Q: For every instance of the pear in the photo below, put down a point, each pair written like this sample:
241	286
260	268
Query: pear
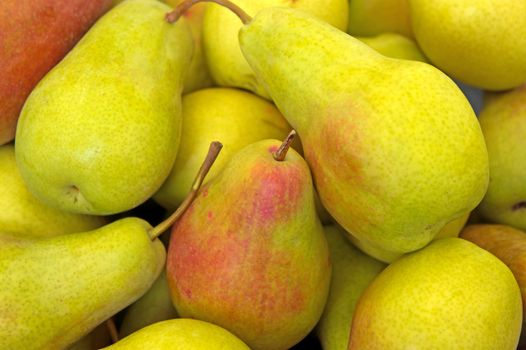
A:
373	17
481	43
181	334
235	117
152	307
385	139
56	290
352	272
23	215
220	37
503	122
426	300
395	46
250	254
100	132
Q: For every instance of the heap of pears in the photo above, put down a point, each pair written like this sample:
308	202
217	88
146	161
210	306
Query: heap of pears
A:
260	174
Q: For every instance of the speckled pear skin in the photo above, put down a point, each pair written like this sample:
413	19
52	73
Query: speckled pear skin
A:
100	132
250	254
181	334
237	118
23	215
479	42
395	149
503	122
56	290
373	17
449	295
227	65
395	46
352	272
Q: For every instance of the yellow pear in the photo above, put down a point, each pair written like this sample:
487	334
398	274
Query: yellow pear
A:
395	46
372	17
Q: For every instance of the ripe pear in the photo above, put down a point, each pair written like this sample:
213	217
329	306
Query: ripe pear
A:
388	141
373	17
23	215
235	117
449	295
395	46
220	37
56	290
181	334
250	254
479	42
503	122
352	272
100	132
152	307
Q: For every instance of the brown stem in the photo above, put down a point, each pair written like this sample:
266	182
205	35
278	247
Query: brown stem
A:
281	153
173	16
213	152
114	335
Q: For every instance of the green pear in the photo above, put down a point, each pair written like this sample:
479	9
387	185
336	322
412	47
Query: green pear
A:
503	122
395	148
395	46
100	132
479	42
220	37
449	295
250	254
56	290
235	117
181	334
23	215
152	307
352	272
373	17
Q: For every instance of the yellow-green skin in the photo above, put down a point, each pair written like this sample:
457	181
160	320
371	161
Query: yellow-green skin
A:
449	295
220	37
503	122
56	290
181	334
373	17
23	215
100	132
154	306
479	42
395	46
234	117
395	149
352	272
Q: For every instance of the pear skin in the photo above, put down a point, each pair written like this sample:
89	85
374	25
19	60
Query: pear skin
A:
99	134
352	272
373	17
181	334
383	148
395	46
56	290
23	215
448	295
250	254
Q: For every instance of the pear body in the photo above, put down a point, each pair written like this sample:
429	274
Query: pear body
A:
480	42
56	290
250	253
220	37
23	215
503	122
100	132
425	300
352	272
395	46
237	118
373	17
383	137
180	334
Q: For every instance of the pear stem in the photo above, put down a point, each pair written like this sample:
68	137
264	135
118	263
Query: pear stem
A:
213	152
114	335
173	16
281	153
